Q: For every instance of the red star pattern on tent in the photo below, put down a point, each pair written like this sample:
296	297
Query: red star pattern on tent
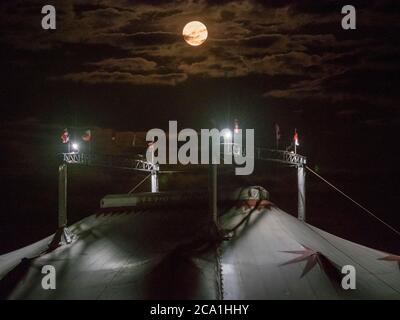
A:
308	254
313	258
391	257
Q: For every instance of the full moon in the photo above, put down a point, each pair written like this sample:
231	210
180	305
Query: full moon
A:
195	33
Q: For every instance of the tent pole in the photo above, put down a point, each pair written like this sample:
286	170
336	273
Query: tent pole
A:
301	191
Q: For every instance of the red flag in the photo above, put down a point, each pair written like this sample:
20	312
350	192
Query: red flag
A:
296	138
87	136
65	136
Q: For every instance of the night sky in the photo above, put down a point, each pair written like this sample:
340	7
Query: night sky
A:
124	65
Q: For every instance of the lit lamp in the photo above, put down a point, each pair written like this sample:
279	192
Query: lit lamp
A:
236	130
236	147
75	147
227	134
227	137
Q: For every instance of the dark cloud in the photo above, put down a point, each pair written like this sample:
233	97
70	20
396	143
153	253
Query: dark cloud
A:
117	77
126	64
261	41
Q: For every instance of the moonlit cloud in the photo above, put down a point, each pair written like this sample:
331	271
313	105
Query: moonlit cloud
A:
116	77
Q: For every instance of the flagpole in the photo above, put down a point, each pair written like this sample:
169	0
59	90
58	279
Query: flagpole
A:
277	135
277	141
91	143
295	142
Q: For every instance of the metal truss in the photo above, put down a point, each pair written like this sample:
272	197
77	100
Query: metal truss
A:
109	161
284	157
280	156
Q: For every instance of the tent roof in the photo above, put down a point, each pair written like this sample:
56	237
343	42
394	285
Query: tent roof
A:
168	253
